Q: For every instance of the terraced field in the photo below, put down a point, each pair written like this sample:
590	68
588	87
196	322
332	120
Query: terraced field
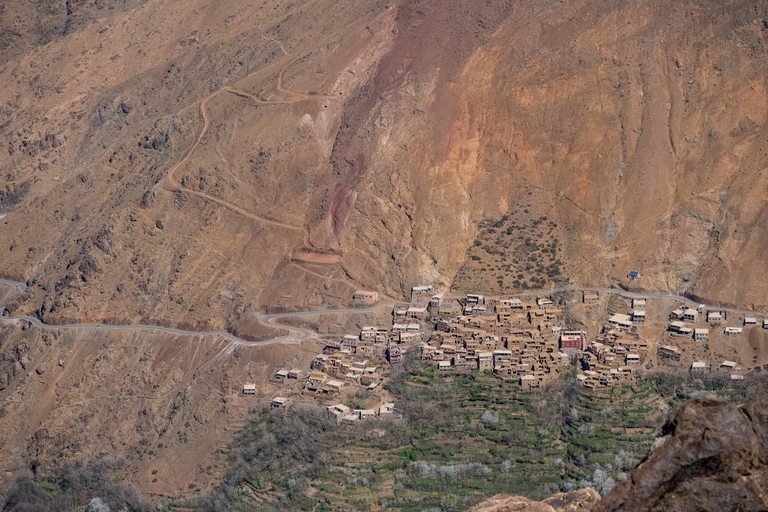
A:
482	439
456	441
608	432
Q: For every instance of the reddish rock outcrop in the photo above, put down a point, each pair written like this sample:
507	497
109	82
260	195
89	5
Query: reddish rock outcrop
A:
713	456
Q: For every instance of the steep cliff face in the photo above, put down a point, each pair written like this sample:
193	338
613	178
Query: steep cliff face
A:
639	129
188	162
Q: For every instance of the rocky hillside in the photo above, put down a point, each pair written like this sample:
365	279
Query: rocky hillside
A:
165	407
187	162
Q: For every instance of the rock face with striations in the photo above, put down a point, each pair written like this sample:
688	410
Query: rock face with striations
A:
713	456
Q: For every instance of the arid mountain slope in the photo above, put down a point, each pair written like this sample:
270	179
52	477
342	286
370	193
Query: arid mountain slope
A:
165	404
640	129
190	163
185	162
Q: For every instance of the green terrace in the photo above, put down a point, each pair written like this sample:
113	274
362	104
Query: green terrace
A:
454	442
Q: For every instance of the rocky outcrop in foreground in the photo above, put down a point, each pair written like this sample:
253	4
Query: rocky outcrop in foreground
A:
713	455
576	501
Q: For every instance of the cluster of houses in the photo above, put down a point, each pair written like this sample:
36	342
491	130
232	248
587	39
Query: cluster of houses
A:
519	339
343	415
356	360
682	316
515	339
332	372
734	371
617	351
612	359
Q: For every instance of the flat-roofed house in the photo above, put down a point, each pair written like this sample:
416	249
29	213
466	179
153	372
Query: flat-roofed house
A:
691	315
527	382
485	361
369	297
365	348
281	375
638	316
750	320
676	326
279	402
620	320
416	313
475	299
699	367
399	311
571	340
677	314
670	351
399	327
333	386
591	297
412	327
544	302
421	293
501	356
315	380
364	414
714	317
638	303
349	342
701	334
394	354
368	333
338	411
350	420
733	331
249	389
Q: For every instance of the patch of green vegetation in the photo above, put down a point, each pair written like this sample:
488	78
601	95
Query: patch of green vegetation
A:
74	487
519	246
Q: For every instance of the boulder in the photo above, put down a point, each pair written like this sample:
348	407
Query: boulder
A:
713	455
576	501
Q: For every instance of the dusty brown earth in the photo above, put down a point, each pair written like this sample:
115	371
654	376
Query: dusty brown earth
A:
166	404
191	163
277	155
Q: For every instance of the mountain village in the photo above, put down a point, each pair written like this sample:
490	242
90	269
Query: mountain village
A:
603	338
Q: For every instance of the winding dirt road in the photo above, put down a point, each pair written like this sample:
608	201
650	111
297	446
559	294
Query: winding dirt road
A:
300	333
268	320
